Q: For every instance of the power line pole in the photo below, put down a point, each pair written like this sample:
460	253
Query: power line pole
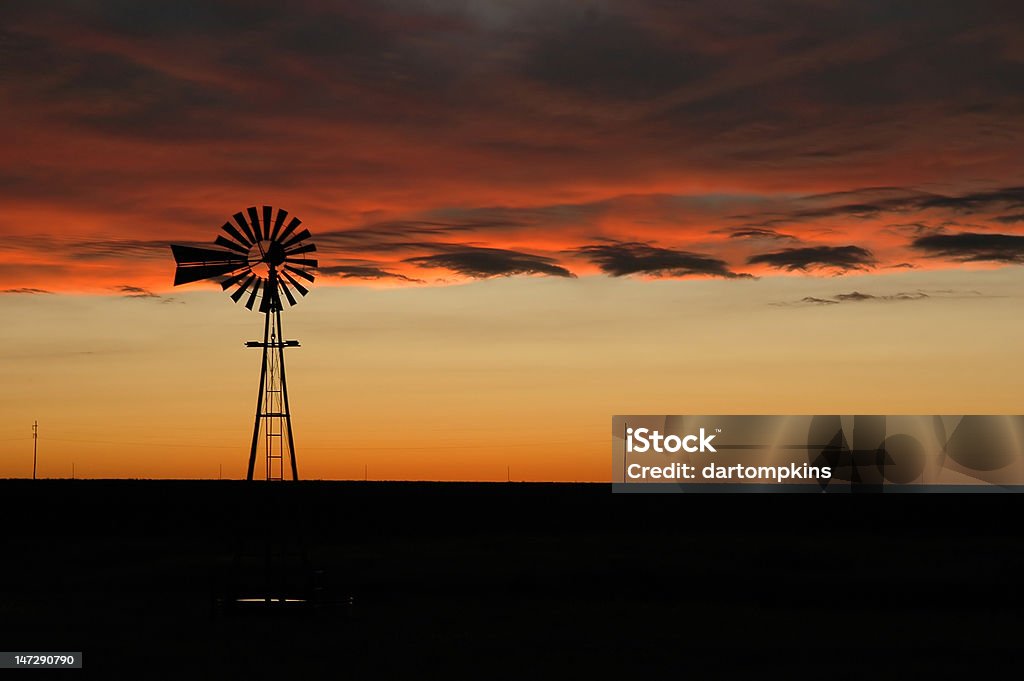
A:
35	447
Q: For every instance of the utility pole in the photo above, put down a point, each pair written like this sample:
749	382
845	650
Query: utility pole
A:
35	447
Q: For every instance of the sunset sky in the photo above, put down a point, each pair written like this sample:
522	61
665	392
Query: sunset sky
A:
530	216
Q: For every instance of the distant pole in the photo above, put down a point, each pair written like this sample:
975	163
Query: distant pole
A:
366	474
508	473
72	470
35	447
220	471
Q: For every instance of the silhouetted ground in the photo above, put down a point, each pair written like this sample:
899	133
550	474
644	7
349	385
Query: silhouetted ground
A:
509	580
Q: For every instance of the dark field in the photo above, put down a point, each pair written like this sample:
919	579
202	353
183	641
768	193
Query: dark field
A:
506	580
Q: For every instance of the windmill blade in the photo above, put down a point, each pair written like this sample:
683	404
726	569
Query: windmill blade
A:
237	295
298	287
305	262
254	220
192	255
190	273
235	234
287	291
252	296
302	273
281	215
228	243
268	212
231	281
304	234
240	219
292	226
308	248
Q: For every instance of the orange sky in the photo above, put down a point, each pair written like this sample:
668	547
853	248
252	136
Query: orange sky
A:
488	185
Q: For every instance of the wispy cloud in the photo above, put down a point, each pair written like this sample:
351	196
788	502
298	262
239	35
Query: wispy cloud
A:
136	292
364	272
861	297
481	263
28	291
140	293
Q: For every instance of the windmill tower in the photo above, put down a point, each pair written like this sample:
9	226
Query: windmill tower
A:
261	258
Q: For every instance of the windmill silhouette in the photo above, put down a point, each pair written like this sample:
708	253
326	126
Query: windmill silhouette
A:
261	259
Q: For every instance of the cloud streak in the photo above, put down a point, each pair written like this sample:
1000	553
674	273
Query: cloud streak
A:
483	263
857	297
27	291
140	293
841	258
973	247
364	272
620	259
136	292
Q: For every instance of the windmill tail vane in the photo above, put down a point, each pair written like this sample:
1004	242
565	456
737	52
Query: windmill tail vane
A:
262	256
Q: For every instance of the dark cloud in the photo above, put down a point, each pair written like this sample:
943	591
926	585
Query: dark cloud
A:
858	297
855	296
26	290
864	210
875	202
759	233
811	300
970	203
482	263
913	228
114	249
973	247
140	293
731	64
136	292
146	20
471	124
610	54
238	73
78	85
364	272
622	258
842	258
878	201
396	235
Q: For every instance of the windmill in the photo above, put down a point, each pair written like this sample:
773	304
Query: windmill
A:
261	258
